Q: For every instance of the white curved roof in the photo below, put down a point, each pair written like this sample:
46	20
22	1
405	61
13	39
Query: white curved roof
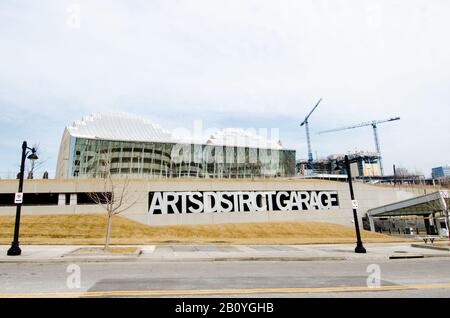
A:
118	126
126	127
242	138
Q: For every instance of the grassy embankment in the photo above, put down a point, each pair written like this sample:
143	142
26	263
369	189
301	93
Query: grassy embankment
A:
90	229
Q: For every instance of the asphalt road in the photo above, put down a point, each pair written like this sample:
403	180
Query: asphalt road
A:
398	278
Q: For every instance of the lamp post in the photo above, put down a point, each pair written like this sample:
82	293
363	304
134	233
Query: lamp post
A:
359	245
15	250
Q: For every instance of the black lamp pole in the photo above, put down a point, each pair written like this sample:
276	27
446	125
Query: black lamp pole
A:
359	245
15	250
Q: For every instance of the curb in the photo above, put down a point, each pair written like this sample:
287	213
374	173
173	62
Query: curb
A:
405	256
435	255
68	260
247	259
204	259
173	259
431	247
141	259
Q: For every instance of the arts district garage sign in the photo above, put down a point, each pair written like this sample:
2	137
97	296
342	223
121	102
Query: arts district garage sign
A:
172	202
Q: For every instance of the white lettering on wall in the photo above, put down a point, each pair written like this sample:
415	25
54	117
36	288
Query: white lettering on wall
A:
170	202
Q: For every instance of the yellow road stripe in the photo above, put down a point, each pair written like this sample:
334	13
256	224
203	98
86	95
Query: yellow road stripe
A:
221	291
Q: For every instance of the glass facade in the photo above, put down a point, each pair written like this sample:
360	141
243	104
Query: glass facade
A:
90	158
440	172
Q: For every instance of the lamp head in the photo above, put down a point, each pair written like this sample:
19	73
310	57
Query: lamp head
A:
33	155
338	166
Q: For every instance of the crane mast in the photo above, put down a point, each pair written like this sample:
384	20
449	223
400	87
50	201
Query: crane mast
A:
308	137
377	146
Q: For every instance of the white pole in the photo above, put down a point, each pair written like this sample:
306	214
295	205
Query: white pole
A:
444	196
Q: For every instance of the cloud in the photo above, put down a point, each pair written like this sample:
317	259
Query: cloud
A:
252	63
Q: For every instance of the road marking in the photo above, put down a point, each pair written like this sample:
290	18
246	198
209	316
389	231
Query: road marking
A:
222	291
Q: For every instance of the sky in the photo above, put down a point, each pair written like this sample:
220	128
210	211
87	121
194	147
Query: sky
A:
231	63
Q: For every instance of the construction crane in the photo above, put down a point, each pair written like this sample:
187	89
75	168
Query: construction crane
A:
374	124
308	139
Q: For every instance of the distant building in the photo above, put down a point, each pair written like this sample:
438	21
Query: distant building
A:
362	164
402	172
440	172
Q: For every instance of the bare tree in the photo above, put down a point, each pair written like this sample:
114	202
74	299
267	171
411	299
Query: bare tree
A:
115	197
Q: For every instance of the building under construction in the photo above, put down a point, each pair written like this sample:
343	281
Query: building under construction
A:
362	164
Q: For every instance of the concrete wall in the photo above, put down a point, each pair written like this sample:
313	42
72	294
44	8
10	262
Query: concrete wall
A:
368	196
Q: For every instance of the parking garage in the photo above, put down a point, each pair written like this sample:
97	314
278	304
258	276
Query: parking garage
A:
426	214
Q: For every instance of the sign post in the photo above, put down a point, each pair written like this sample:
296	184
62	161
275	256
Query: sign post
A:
359	245
15	250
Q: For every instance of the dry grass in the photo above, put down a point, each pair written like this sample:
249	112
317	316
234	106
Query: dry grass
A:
90	229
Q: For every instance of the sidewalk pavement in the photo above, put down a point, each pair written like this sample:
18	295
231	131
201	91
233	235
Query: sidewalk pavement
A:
219	252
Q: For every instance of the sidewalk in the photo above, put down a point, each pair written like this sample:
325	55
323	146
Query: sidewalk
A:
185	253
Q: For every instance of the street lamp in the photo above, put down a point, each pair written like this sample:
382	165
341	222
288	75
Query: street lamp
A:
359	244
15	250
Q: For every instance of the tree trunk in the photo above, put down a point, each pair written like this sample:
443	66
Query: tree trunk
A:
108	231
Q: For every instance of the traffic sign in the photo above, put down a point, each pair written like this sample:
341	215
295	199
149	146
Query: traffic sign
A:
18	198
